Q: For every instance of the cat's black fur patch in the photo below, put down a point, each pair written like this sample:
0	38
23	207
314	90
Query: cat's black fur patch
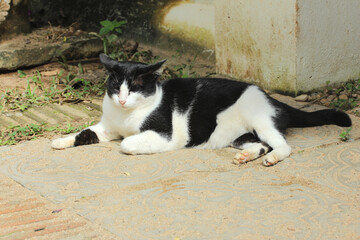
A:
86	137
246	138
215	96
289	117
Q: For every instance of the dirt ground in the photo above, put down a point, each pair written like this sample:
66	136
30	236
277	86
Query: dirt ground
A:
93	69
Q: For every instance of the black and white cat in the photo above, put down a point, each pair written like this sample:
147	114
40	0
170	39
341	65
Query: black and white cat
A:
207	113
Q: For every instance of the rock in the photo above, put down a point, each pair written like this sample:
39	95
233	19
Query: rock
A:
343	97
15	53
13	18
347	93
331	98
302	98
325	102
356	110
4	10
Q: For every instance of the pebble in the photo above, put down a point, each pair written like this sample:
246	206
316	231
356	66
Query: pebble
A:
325	101
302	98
343	97
331	98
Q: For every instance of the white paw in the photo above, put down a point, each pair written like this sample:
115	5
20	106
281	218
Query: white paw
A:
243	157
128	146
62	143
270	160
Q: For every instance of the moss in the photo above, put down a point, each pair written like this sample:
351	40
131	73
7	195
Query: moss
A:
192	34
284	83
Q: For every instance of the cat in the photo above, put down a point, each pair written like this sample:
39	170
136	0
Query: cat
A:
153	116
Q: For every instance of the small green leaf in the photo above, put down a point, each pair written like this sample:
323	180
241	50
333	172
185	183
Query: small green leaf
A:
81	69
119	23
21	74
104	31
106	23
112	38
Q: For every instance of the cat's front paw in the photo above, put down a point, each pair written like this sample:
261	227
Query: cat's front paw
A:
62	143
128	146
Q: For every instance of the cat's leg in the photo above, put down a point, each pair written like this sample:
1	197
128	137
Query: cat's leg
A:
251	148
94	134
277	142
147	142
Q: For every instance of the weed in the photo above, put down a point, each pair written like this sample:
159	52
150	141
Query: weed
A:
62	88
21	74
344	104
16	134
350	91
345	135
72	129
184	70
109	33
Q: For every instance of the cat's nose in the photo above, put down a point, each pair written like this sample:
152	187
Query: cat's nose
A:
122	102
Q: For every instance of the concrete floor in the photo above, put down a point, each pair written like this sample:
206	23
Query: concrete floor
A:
185	194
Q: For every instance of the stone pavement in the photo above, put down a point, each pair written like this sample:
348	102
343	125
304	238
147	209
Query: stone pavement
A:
24	215
185	194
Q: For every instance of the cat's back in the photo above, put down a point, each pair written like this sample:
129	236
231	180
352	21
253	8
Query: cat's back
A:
215	92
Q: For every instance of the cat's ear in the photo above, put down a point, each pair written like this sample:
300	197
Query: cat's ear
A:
107	61
153	68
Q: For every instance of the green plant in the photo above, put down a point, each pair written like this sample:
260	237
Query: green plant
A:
350	89
21	74
69	87
15	134
184	70
73	129
109	33
344	104
345	135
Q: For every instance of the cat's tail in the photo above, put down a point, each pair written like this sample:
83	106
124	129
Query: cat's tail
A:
298	118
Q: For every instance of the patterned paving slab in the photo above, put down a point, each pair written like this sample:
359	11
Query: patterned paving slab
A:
26	215
53	114
198	194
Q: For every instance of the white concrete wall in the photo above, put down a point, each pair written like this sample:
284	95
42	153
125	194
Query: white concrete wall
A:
328	42
288	45
255	41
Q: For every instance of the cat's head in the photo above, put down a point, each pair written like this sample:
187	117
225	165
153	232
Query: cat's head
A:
130	83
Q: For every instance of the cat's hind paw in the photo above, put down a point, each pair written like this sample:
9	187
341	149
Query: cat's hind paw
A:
62	143
243	157
270	160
